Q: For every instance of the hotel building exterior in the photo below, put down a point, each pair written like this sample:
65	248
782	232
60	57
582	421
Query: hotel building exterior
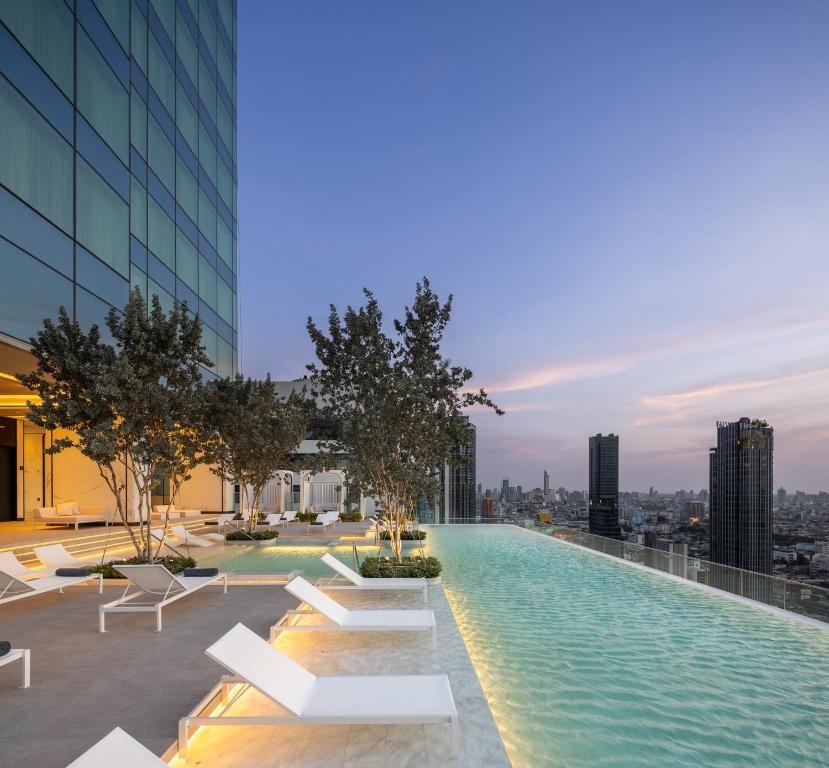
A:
117	170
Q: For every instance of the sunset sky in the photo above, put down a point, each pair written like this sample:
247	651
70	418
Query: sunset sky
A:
629	202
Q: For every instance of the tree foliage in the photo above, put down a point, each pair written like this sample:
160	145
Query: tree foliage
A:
257	431
398	400
135	407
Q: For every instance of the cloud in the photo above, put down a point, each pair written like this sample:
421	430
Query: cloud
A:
687	399
557	374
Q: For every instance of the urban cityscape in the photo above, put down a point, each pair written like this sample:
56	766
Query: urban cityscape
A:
414	385
740	519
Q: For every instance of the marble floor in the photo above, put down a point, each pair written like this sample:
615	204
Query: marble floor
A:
345	653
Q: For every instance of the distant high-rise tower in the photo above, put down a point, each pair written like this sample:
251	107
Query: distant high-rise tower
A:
741	483
604	486
458	483
546	485
781	496
505	489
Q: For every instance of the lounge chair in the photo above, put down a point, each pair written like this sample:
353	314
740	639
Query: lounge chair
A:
287	517
12	588
225	520
157	582
24	656
324	519
70	513
343	619
11	565
272	519
312	700
57	556
200	540
361	582
160	511
118	748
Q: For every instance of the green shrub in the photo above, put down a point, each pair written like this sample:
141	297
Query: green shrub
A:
170	562
306	517
351	517
410	568
417	535
251	535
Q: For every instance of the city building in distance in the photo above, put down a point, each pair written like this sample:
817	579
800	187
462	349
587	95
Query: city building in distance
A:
604	486
741	483
458	482
118	122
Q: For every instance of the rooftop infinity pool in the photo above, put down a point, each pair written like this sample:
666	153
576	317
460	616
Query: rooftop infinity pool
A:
587	661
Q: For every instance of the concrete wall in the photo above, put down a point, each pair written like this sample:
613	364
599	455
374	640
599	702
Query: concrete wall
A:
204	491
76	478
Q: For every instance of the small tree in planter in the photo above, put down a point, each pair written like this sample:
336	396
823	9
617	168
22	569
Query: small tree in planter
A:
135	406
256	432
398	401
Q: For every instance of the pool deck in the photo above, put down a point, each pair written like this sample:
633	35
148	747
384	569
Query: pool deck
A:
85	683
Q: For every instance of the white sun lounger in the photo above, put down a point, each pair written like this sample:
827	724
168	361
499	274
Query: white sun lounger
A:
361	582
24	656
200	540
272	519
120	749
11	565
343	619
157	583
13	588
288	517
57	556
311	700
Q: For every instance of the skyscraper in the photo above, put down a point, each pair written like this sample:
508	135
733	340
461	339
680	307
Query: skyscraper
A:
741	471
604	486
546	486
505	489
781	496
117	170
458	482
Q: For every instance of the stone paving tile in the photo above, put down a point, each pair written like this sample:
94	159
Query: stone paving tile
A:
85	683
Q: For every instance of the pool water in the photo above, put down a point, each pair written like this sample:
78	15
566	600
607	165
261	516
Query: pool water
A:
587	661
286	556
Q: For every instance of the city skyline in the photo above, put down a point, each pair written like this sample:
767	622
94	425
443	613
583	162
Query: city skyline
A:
676	171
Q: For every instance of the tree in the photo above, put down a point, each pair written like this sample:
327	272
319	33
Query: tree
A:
398	401
256	432
135	406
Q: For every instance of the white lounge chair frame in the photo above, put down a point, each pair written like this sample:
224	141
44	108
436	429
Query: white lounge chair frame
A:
257	665
118	748
23	655
361	582
344	620
167	586
288	517
13	567
57	556
323	519
199	540
12	588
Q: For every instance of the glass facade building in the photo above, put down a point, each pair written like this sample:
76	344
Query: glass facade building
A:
118	162
604	486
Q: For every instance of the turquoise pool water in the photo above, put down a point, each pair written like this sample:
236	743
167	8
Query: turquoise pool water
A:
283	557
587	661
590	662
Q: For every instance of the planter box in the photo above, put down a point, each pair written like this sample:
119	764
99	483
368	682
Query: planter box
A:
249	542
433	582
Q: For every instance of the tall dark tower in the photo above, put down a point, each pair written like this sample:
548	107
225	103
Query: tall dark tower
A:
604	486
458	482
741	480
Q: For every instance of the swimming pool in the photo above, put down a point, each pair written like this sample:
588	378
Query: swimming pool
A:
589	662
284	557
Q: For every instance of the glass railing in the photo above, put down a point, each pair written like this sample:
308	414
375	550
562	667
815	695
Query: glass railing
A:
794	596
804	599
